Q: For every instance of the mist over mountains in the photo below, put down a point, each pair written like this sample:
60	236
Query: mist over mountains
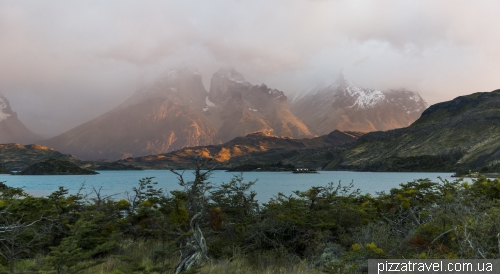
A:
176	111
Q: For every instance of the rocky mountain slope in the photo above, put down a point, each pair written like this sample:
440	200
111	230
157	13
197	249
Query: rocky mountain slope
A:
344	106
460	134
151	126
177	112
12	130
157	119
256	148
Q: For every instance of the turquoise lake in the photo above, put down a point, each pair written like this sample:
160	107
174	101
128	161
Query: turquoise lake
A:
268	183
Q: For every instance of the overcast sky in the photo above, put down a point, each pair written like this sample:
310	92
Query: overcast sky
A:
63	63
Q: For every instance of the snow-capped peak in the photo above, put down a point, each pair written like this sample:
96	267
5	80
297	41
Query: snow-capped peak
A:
365	98
3	105
416	97
343	93
361	98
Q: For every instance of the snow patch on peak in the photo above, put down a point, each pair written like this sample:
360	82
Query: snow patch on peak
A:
363	98
416	97
238	78
3	105
208	102
366	98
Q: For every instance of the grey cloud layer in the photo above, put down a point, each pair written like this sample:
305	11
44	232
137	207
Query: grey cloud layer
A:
64	62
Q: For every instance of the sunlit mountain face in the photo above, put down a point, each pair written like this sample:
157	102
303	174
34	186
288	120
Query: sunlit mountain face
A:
345	106
176	112
238	108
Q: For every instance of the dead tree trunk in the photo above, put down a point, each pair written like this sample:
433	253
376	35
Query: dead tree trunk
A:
193	245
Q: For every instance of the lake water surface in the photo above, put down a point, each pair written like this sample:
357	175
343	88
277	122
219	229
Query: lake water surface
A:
268	183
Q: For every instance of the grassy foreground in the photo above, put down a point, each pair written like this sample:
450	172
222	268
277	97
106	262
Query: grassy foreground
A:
141	252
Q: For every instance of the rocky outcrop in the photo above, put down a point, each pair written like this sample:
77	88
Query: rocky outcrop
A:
18	157
344	106
12	130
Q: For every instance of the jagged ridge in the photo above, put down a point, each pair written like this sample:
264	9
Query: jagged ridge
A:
344	106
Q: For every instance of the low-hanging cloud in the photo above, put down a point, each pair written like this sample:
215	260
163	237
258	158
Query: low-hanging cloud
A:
65	62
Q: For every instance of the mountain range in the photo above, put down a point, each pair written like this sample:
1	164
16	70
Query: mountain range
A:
458	135
176	111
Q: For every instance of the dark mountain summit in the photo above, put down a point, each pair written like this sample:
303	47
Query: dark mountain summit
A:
12	130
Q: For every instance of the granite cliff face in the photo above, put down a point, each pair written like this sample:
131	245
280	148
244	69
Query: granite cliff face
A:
238	108
344	106
12	130
460	134
177	112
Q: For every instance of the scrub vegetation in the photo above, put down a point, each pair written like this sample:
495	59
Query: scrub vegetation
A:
224	229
